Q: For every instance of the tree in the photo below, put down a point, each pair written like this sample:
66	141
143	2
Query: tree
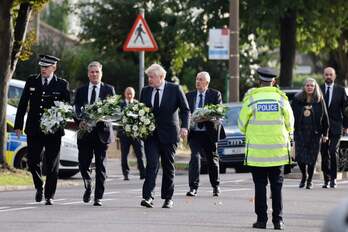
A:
14	18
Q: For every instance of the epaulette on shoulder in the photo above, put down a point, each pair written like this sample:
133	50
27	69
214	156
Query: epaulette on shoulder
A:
248	93
282	93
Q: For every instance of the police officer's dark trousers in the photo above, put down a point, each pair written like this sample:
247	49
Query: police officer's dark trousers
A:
261	176
51	143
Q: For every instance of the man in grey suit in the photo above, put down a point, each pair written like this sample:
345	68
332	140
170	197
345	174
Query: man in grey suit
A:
336	101
203	136
165	99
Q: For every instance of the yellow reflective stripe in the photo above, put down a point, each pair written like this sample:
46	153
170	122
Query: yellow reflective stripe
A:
267	146
268	159
266	123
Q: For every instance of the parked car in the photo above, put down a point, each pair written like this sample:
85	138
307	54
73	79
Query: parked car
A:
231	150
16	154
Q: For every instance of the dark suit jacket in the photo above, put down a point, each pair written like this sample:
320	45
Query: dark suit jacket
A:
167	120
39	100
336	109
104	130
212	96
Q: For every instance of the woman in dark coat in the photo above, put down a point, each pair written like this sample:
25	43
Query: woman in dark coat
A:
311	125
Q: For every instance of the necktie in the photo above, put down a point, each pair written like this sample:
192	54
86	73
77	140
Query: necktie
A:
93	95
200	105
45	83
327	96
156	102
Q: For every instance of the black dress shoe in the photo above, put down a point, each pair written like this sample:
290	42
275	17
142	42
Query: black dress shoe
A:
309	185
192	193
147	203
87	196
302	183
49	201
278	225
216	191
125	177
325	185
97	202
333	183
260	225
168	203
38	196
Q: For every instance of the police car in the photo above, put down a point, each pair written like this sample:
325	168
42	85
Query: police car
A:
16	154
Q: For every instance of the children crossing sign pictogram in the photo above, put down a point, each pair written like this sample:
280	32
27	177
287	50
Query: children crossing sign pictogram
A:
140	38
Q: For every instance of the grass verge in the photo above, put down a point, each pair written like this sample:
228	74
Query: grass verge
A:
15	177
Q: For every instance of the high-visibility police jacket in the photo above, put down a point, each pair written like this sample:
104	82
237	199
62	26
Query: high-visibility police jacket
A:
267	121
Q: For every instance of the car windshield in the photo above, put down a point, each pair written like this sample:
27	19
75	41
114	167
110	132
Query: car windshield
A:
232	115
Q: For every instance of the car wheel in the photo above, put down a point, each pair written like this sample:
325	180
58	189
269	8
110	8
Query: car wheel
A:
65	174
21	160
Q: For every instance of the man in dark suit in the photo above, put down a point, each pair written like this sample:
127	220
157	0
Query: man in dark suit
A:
127	141
165	99
203	136
96	142
336	101
40	92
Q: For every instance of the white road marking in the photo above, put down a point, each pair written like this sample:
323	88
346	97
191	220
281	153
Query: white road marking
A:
72	203
17	209
6	207
108	193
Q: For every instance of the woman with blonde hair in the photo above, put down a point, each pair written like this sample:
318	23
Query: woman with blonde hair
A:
311	125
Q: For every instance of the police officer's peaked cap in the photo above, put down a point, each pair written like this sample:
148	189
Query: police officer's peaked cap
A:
266	74
47	60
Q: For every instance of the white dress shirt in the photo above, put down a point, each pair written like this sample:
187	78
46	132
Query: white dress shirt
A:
97	90
196	106
198	98
161	89
48	79
330	93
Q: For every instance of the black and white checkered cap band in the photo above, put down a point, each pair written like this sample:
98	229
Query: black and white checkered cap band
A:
266	78
46	62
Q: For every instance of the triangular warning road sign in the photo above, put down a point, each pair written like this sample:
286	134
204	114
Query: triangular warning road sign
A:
140	37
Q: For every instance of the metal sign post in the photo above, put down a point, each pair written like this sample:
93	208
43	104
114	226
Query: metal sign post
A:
140	39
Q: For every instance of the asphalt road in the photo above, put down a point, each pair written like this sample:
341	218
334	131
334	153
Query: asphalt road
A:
304	210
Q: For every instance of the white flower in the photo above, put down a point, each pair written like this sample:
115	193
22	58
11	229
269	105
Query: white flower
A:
141	113
127	128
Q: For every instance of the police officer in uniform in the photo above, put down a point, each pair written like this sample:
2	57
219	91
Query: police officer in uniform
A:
39	93
267	121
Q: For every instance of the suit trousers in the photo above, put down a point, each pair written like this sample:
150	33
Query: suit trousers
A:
138	147
154	150
51	143
261	175
88	146
201	145
329	154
